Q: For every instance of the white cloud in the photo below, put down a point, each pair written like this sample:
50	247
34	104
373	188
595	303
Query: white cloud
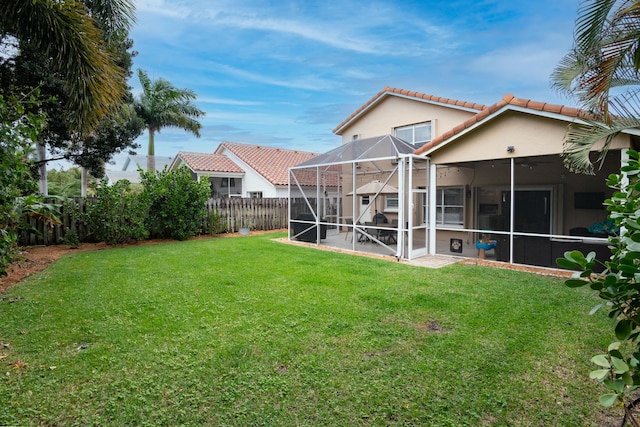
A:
309	82
161	7
222	101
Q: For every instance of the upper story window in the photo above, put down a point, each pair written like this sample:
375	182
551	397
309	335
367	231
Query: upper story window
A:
418	134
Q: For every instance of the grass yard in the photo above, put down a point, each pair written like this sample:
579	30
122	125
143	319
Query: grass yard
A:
248	331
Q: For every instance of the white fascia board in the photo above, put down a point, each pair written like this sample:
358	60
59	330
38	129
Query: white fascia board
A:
221	174
509	107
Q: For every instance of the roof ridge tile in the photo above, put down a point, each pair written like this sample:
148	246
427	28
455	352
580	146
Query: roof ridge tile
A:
507	99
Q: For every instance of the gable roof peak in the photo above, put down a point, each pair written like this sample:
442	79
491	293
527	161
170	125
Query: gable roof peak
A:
271	162
508	102
418	96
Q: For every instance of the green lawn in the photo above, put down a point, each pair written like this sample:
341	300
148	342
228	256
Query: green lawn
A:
249	331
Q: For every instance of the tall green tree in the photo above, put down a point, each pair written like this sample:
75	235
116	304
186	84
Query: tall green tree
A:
67	33
601	72
162	105
76	53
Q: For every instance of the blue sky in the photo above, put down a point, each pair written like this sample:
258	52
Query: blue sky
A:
285	73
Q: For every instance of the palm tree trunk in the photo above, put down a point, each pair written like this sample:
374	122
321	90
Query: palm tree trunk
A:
42	169
151	153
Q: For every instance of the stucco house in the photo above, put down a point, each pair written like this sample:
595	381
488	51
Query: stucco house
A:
224	176
244	170
476	174
129	170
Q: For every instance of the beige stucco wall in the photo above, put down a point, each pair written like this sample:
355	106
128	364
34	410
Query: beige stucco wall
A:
394	111
529	134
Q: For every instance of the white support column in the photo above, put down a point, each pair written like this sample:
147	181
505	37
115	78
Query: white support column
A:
624	161
432	209
512	204
289	204
402	205
318	195
354	237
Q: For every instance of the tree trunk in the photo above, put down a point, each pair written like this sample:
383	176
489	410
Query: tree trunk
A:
151	154
42	169
84	182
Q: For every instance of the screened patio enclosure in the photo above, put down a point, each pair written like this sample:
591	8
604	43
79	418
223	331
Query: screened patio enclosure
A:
368	195
532	209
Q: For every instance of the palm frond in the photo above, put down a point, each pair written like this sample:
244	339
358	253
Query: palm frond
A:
65	32
582	137
115	16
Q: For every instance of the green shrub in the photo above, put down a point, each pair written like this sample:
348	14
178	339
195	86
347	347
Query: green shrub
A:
177	203
19	130
118	214
215	224
618	286
71	238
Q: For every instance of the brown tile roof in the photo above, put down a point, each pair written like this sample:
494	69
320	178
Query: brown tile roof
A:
507	100
200	162
420	96
272	163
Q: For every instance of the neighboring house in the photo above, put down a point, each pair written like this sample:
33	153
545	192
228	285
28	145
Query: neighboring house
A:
224	176
245	170
477	171
265	167
130	168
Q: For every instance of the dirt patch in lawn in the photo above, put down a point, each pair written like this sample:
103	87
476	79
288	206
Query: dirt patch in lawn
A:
37	258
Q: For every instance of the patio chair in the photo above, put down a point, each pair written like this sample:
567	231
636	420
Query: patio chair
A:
389	234
351	229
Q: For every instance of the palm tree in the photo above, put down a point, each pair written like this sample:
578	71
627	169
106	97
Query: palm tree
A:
601	71
162	105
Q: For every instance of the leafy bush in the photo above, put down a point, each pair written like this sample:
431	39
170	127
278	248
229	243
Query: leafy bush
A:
118	215
215	224
71	238
18	132
177	203
618	286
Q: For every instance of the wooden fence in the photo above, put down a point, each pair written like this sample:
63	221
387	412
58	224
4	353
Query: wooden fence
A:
224	215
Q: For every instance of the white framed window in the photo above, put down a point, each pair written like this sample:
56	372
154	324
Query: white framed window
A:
450	206
255	194
418	134
227	182
391	203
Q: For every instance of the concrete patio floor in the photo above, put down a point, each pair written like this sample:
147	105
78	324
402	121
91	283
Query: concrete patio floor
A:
340	242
